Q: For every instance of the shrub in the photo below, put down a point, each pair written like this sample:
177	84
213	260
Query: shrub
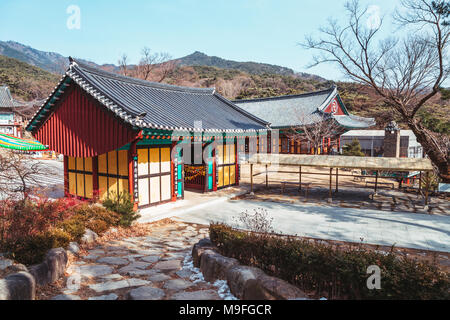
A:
24	218
353	149
31	227
122	204
331	271
32	249
75	227
259	221
93	217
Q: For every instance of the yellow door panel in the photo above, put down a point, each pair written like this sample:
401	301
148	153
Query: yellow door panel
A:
89	186
226	158
79	164
112	162
72	183
165	188
220	154
142	162
155	185
226	176
220	173
80	185
102	168
232	175
112	187
123	185
165	160
123	162
154	160
88	164
72	163
103	187
232	153
143	192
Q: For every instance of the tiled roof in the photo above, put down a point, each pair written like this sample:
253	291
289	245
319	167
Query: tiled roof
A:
302	109
147	104
354	122
6	100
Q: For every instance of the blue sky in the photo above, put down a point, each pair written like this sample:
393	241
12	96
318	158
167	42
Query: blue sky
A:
247	30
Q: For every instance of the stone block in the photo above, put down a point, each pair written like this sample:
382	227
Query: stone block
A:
215	266
18	286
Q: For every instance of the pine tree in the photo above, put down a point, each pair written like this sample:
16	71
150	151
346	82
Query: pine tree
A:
353	149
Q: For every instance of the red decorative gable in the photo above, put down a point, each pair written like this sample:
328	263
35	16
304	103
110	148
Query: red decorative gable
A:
334	107
80	127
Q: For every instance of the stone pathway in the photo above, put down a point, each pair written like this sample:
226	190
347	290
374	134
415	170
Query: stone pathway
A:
155	267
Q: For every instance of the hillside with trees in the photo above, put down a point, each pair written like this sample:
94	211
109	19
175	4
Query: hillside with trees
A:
25	81
28	83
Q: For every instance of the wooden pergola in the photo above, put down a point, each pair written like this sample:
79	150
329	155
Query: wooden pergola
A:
342	162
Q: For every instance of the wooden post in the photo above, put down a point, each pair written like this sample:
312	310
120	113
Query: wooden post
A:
420	183
132	152
251	178
427	186
267	178
331	184
95	190
236	171
66	176
337	179
300	178
376	181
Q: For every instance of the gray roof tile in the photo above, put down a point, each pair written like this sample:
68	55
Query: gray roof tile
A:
302	109
163	106
6	100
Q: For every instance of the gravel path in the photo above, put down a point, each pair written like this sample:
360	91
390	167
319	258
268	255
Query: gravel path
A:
154	267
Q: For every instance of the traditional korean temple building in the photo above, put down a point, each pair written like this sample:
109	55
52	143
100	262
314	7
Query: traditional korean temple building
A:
153	140
10	118
295	111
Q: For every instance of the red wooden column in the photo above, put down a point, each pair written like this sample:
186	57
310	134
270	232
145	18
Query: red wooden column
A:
95	190
172	171
131	154
214	165
236	149
66	176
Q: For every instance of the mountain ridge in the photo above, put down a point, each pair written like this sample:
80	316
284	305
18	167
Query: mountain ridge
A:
57	63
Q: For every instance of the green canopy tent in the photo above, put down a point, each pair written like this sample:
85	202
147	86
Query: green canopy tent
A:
14	143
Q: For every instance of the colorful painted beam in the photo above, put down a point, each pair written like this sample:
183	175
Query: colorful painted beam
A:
14	143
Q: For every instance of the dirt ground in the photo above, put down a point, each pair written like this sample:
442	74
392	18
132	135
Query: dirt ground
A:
352	191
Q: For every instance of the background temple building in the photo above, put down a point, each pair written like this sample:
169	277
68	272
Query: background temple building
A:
123	134
10	119
296	111
385	143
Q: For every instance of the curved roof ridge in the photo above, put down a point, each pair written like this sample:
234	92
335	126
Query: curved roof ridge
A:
242	111
91	69
289	96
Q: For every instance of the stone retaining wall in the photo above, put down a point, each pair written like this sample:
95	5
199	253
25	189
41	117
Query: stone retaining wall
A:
246	283
22	285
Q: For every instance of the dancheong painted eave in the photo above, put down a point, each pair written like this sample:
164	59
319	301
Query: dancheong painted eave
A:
144	104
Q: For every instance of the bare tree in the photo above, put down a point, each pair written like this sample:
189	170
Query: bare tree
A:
313	129
20	175
405	73
154	66
123	64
